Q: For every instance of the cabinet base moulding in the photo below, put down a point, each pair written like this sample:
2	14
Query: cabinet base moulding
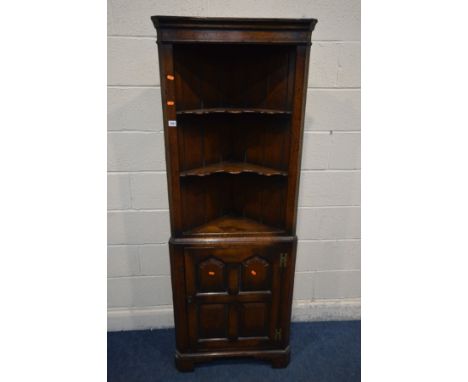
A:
185	362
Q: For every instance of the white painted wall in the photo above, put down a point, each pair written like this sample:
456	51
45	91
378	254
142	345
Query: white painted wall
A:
327	284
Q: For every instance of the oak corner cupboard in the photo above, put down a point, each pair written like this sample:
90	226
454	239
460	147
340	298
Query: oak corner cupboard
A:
233	95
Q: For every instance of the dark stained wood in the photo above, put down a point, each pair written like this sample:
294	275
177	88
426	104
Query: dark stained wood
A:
231	240
279	358
232	168
233	96
240	317
239	138
233	23
232	110
238	78
233	225
246	196
170	136
225	36
177	263
287	287
300	91
243	297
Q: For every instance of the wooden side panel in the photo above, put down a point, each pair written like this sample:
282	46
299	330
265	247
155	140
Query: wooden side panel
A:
297	126
170	136
287	287
177	262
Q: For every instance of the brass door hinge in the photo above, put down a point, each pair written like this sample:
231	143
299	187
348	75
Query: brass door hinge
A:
283	260
277	334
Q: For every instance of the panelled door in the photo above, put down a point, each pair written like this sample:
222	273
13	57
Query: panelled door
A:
233	296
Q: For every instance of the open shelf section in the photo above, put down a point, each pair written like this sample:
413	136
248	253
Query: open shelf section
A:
233	168
233	110
233	225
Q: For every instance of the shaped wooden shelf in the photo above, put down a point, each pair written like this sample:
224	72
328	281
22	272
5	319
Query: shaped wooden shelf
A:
233	168
233	225
224	110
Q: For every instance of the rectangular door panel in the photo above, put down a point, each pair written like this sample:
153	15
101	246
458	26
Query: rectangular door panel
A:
253	320
212	320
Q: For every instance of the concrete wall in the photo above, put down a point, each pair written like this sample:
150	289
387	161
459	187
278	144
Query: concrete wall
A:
327	284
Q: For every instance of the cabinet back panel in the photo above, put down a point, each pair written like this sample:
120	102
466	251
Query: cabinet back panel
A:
255	197
210	76
208	139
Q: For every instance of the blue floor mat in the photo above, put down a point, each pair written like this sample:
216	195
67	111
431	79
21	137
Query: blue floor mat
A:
320	351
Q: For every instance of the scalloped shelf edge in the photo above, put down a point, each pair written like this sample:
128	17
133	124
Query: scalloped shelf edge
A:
223	110
233	168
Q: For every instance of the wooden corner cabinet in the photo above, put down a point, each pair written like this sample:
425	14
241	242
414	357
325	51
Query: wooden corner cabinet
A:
233	95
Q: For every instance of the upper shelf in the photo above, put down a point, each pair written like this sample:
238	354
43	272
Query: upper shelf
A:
233	168
233	110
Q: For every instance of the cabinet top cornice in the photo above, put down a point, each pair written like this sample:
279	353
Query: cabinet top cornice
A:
232	23
233	30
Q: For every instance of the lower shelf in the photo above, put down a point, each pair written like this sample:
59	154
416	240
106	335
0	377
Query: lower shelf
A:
233	225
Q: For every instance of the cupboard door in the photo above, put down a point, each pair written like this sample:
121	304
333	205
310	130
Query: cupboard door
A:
233	296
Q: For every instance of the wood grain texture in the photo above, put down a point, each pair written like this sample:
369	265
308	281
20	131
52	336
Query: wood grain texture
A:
232	110
233	168
233	96
233	225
